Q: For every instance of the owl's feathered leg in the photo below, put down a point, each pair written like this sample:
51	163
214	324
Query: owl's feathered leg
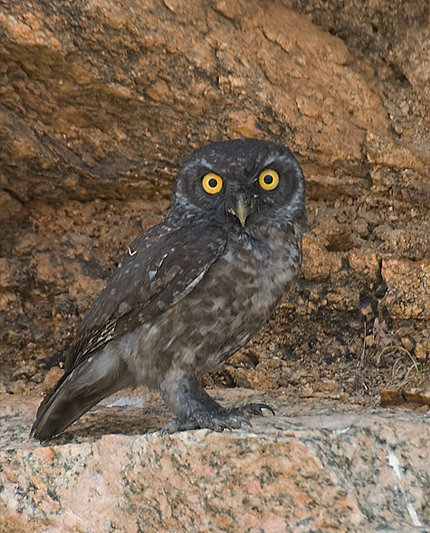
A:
78	391
196	409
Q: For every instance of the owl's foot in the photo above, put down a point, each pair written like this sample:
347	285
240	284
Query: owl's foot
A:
204	419
197	410
251	409
217	420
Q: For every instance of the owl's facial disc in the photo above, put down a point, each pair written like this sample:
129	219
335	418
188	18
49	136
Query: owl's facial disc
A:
268	180
242	183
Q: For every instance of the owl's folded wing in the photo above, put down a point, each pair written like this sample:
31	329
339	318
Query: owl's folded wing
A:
151	280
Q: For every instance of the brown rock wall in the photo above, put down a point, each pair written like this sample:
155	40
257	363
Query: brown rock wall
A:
408	283
98	106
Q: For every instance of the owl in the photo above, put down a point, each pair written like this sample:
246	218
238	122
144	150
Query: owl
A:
190	291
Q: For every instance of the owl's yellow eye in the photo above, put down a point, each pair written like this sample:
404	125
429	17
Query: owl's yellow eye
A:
268	179
212	183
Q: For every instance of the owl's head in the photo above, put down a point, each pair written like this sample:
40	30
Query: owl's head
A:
240	182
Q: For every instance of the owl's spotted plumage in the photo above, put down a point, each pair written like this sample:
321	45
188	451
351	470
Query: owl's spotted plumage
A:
192	290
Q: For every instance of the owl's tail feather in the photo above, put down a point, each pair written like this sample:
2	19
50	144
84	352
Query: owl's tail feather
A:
75	393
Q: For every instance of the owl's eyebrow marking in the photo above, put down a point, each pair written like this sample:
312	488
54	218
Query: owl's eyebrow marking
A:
130	251
266	163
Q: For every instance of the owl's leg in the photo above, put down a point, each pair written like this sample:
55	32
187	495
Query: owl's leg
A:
194	407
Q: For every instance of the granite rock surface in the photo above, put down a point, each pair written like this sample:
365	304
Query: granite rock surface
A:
311	468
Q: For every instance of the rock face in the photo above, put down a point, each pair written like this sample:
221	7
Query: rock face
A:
310	468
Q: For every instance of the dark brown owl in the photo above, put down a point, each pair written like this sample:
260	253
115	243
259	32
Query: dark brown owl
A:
191	290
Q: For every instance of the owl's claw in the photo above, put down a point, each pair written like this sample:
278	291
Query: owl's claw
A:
217	421
251	409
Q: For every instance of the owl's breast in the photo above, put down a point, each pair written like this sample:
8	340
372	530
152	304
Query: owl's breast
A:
258	270
236	297
224	310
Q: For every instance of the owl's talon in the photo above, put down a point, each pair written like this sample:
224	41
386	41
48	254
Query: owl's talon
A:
225	419
255	409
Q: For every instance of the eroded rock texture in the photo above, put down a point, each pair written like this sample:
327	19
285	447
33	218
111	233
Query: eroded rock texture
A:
100	102
320	468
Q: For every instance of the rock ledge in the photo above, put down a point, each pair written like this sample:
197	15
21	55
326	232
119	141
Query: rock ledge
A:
311	468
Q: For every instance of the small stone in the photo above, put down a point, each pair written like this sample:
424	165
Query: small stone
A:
409	243
361	227
229	9
9	207
407	343
318	263
408	283
422	351
326	385
365	262
390	397
244	124
370	340
45	268
416	395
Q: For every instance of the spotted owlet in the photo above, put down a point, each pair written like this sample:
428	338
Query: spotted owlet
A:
192	290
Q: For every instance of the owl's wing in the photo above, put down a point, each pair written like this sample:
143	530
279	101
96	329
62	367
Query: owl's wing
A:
145	240
156	277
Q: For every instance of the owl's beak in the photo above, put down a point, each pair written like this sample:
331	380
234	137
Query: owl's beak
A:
240	211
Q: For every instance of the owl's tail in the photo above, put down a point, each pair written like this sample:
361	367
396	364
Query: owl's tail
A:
76	392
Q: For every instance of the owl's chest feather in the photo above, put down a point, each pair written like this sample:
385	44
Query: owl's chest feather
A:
260	269
227	306
237	296
247	281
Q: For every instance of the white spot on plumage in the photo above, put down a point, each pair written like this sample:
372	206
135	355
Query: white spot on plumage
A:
123	307
229	257
161	261
194	282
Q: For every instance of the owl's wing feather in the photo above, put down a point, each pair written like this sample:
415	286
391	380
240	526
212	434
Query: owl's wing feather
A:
156	277
145	240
